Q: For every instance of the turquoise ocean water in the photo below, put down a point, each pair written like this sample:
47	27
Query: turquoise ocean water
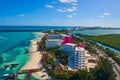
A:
13	43
12	50
15	40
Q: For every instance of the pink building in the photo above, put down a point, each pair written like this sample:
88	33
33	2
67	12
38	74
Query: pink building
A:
66	39
81	45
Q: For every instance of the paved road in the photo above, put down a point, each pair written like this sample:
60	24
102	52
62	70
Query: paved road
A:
116	67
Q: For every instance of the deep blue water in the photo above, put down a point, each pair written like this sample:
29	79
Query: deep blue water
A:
31	28
13	43
15	39
9	40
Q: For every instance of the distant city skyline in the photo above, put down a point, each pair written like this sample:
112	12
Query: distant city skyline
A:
104	13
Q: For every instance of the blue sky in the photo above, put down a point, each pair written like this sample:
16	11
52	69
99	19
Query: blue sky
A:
60	12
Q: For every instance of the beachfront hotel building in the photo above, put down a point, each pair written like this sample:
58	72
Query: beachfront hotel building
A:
84	60
79	58
57	40
68	47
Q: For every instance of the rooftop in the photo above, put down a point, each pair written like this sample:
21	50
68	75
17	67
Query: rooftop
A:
71	44
79	49
53	39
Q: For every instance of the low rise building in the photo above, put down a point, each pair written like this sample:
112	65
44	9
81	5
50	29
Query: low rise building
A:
53	43
57	40
59	67
68	47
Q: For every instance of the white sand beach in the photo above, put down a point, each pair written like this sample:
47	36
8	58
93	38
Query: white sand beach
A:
34	61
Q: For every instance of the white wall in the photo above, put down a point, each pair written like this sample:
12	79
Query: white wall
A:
50	44
67	48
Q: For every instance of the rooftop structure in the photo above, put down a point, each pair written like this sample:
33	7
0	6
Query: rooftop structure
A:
81	45
59	67
68	47
57	40
53	43
91	61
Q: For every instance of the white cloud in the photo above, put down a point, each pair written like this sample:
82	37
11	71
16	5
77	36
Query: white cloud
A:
21	15
67	10
61	10
74	4
75	14
67	1
106	14
49	6
69	16
72	9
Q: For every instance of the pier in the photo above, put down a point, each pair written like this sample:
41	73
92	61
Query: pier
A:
27	73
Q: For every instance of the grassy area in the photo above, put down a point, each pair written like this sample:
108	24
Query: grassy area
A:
102	72
112	40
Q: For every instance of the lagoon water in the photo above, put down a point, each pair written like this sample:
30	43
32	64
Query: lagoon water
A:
99	31
14	44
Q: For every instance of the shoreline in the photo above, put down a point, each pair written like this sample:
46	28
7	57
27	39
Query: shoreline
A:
34	60
111	48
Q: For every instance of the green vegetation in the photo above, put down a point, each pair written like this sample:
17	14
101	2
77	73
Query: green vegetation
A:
62	56
61	75
114	56
103	71
88	46
42	44
112	40
81	75
49	60
77	40
56	31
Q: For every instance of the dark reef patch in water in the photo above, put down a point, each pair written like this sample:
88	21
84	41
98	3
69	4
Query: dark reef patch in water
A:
12	56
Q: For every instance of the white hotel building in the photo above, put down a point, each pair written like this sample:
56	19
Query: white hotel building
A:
53	41
79	58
